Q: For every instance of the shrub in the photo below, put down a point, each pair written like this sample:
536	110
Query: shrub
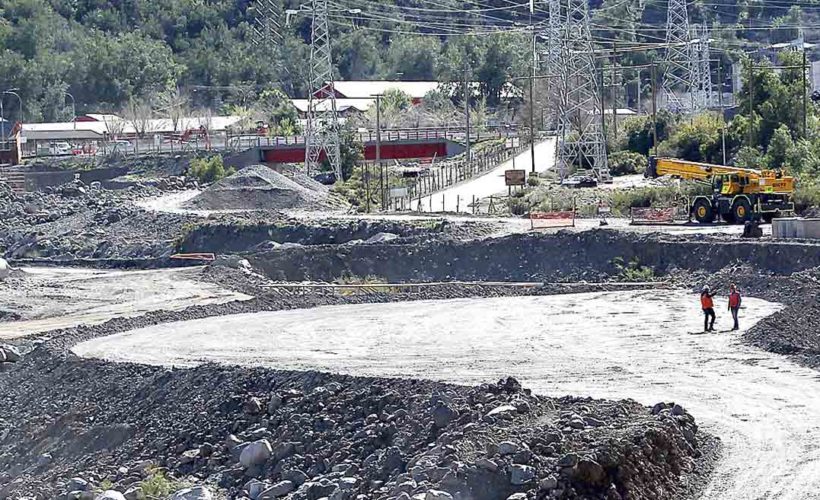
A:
633	271
518	206
208	170
533	181
806	196
158	485
627	163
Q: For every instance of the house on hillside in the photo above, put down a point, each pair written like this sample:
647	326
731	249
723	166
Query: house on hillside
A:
362	89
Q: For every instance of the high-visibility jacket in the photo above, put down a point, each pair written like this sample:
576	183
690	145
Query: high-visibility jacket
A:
706	301
734	300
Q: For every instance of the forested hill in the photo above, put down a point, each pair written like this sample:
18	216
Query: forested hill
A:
108	52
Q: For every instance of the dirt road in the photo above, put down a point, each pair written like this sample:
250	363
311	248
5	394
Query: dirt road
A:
52	298
641	345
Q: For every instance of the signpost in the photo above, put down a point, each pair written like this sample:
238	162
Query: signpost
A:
515	178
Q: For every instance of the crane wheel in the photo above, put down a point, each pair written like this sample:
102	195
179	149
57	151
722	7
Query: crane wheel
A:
704	213
742	210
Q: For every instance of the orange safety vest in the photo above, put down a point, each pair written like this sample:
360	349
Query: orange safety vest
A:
734	299
706	301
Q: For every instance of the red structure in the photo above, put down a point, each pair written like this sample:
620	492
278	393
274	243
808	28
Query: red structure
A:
404	150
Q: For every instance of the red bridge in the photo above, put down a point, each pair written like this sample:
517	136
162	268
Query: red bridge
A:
395	144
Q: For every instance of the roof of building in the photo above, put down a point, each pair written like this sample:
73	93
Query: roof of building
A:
360	88
97	129
342	104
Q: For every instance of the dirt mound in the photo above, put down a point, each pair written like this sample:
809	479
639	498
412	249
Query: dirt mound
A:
261	188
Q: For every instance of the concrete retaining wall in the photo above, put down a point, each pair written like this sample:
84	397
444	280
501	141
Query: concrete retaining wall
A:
796	228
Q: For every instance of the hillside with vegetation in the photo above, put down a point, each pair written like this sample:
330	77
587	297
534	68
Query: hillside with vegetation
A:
112	54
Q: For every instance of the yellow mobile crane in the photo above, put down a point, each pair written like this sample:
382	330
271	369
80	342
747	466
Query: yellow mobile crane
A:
738	194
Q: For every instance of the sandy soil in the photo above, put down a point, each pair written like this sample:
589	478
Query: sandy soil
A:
644	345
53	298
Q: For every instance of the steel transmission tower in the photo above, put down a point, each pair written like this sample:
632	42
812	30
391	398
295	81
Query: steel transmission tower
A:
706	96
323	120
582	139
680	61
552	62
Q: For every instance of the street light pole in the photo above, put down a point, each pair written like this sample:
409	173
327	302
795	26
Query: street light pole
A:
22	114
73	110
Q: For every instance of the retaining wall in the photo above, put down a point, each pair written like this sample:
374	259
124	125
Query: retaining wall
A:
588	255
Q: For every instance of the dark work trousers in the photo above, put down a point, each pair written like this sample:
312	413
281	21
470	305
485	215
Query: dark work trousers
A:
707	325
734	316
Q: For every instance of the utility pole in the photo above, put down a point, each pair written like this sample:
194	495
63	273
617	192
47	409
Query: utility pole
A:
532	101
805	96
751	101
467	117
379	146
614	91
639	92
722	111
655	109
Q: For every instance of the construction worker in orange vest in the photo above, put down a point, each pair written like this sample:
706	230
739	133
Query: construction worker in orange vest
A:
734	303
708	306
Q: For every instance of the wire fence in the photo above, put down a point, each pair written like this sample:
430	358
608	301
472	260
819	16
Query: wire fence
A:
449	173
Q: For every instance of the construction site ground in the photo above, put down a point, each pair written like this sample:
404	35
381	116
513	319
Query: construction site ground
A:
307	332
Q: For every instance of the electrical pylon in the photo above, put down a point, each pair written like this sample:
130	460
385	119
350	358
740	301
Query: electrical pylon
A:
582	140
680	61
322	120
552	62
706	96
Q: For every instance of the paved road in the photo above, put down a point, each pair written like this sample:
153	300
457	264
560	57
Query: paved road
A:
639	345
456	198
53	298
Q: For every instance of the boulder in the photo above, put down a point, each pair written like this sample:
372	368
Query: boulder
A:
278	490
437	495
508	448
195	493
255	454
521	474
75	483
110	495
5	269
443	415
10	353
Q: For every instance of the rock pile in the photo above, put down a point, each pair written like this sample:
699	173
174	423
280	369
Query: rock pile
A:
261	188
262	434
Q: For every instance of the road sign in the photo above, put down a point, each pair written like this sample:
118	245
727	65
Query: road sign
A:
515	177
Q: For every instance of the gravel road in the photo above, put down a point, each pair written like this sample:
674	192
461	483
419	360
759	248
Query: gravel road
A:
53	298
641	345
490	183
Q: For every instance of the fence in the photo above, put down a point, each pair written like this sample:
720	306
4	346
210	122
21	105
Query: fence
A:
489	205
452	172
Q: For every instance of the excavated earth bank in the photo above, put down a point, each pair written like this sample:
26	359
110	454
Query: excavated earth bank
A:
344	436
329	435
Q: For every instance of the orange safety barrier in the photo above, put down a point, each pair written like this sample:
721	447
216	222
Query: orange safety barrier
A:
547	220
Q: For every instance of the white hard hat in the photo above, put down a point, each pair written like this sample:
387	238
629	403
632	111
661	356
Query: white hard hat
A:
705	288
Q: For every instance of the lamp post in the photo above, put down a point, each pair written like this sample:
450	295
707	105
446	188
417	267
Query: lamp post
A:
15	94
73	109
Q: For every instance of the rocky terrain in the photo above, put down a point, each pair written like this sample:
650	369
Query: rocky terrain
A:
264	434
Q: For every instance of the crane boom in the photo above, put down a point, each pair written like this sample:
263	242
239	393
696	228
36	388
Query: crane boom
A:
738	194
747	180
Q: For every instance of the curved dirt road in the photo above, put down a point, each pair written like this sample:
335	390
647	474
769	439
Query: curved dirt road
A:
638	345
